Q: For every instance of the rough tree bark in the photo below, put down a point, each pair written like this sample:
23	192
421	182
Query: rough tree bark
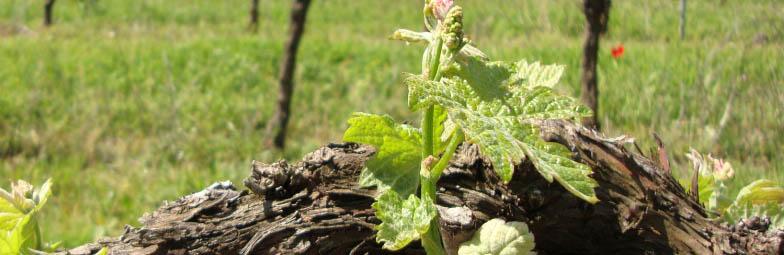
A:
315	207
253	25
596	15
48	9
299	12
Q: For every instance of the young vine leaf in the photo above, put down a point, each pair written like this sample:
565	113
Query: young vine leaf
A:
15	240
760	191
398	152
497	237
496	105
18	225
759	198
402	221
463	97
774	212
10	216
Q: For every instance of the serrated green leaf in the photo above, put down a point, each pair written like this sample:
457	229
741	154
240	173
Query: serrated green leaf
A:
553	162
402	221
500	122
497	237
489	79
398	152
494	79
530	75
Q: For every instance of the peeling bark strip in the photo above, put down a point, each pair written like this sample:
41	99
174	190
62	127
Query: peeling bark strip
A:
596	14
315	207
48	9
299	12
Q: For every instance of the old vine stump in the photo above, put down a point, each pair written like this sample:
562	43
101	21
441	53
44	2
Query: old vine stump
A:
315	207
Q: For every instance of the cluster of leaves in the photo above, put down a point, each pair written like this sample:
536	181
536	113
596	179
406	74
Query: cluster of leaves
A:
463	97
762	198
19	227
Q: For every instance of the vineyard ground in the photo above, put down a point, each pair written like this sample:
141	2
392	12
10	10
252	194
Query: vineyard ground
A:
132	102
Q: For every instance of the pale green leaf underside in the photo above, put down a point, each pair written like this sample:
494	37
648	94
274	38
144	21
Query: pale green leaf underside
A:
760	198
760	192
17	227
774	211
497	237
13	241
10	216
398	152
402	221
497	116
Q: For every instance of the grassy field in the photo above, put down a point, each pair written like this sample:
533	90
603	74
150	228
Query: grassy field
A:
130	102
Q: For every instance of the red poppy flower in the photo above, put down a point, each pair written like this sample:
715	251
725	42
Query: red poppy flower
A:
617	51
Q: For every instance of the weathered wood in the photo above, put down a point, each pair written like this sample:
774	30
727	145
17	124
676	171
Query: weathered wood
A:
299	11
597	13
315	207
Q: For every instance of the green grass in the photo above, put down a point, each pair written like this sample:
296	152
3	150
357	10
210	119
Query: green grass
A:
132	102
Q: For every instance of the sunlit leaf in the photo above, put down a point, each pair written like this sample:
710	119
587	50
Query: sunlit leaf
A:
497	237
402	221
774	212
15	241
762	198
398	152
9	215
760	192
496	112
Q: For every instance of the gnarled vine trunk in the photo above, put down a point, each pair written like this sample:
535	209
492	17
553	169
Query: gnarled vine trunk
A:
315	207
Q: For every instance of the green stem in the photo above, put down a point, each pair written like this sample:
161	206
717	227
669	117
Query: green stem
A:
457	138
427	132
431	241
427	122
38	242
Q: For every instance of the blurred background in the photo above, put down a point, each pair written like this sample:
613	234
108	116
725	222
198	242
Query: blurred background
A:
127	103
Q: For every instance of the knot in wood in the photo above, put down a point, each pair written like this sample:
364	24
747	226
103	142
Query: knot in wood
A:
271	179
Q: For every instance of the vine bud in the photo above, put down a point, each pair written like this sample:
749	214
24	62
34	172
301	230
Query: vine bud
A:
452	31
441	8
435	11
427	165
